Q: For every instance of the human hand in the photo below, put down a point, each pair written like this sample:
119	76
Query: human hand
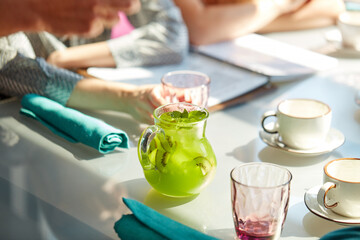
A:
84	17
55	58
138	101
141	101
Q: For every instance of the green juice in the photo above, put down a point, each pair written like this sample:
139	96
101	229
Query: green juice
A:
179	161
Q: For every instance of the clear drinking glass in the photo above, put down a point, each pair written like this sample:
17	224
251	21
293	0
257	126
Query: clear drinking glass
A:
186	86
260	198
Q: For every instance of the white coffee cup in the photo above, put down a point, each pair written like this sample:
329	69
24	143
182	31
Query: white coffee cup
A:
300	123
341	189
349	25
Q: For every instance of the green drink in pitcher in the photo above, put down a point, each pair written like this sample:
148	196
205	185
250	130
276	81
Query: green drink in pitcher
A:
176	157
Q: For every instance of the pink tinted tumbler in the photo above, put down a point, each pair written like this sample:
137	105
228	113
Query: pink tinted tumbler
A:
260	198
186	86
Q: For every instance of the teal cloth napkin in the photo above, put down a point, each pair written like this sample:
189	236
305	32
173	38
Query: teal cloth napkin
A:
146	223
350	233
73	125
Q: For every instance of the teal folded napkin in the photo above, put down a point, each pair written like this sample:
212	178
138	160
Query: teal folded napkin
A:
146	223
73	125
350	233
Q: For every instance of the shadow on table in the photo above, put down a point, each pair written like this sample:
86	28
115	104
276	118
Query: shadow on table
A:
293	219
164	205
81	194
31	218
317	226
156	200
282	158
308	225
72	200
223	233
246	152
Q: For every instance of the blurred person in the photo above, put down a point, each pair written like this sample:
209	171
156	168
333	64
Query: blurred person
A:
211	21
158	36
86	17
22	72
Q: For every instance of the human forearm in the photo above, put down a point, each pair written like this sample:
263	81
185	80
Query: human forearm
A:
214	23
91	93
311	15
88	55
286	23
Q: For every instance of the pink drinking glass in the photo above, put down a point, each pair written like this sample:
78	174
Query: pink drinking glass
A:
260	198
186	86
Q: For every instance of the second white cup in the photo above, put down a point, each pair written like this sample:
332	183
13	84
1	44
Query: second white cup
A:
341	189
349	26
300	123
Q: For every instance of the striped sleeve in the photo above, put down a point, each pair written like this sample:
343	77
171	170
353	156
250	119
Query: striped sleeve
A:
22	75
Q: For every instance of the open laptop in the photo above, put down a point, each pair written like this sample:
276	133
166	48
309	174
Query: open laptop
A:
268	56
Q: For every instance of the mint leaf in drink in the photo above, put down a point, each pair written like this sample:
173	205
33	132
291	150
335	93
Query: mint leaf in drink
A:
197	115
168	117
175	114
183	117
185	114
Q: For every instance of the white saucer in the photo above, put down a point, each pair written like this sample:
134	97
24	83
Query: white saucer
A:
312	204
335	39
334	140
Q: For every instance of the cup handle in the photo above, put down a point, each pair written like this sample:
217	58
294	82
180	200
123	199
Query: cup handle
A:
144	144
267	114
323	191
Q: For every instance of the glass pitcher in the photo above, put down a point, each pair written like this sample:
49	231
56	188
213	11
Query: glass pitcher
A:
175	155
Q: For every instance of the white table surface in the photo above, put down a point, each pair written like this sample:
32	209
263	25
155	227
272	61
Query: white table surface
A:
53	189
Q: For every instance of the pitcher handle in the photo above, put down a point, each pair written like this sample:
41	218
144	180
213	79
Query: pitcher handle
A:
144	143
